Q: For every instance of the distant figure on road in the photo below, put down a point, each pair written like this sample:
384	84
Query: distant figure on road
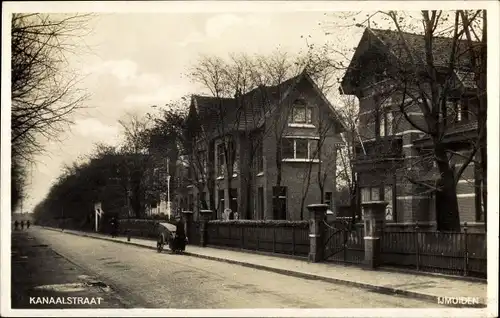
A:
28	224
22	225
114	227
16	224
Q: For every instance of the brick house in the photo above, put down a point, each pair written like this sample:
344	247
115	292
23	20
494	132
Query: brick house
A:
290	126
392	147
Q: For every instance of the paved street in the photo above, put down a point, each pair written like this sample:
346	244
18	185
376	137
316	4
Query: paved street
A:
39	274
149	279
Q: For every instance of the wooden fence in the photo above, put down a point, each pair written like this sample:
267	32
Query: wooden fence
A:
280	237
454	253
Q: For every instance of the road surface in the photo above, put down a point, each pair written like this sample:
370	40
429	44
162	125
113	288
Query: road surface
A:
149	279
43	279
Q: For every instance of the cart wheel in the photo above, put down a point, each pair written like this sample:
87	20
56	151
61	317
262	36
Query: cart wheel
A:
159	244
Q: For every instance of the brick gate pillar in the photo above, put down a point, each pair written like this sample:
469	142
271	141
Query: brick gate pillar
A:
317	214
205	216
188	218
374	219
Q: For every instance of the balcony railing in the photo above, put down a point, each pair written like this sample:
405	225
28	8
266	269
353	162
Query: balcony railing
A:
390	147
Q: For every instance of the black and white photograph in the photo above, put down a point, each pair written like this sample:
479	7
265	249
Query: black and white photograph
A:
250	158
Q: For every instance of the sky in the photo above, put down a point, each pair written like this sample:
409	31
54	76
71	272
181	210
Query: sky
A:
135	60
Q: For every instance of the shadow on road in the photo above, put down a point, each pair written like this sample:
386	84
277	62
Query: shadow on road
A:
43	279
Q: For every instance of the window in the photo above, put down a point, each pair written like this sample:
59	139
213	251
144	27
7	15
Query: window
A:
299	148
233	196
231	150
260	203
385	123
370	194
328	199
220	195
220	160
288	147
203	201
279	203
259	157
202	157
191	202
460	109
300	113
389	210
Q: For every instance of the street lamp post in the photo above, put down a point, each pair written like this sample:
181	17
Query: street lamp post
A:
168	197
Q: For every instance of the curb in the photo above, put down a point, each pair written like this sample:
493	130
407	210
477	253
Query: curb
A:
374	288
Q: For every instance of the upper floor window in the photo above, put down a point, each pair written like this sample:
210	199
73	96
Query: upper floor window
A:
299	148
300	113
230	148
220	160
232	160
259	156
459	110
202	161
386	123
328	199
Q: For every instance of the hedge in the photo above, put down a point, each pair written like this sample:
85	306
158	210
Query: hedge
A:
263	223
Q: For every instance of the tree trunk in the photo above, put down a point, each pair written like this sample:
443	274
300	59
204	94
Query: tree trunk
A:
447	212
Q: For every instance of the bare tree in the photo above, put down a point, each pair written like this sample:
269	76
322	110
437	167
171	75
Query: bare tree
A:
137	161
44	92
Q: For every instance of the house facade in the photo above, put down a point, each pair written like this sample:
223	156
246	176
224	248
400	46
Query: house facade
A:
393	151
266	154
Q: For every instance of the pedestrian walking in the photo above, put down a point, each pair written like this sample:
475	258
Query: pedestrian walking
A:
28	224
16	225
22	225
114	227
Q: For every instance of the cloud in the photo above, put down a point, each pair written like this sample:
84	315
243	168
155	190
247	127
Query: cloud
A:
217	25
92	127
162	95
127	73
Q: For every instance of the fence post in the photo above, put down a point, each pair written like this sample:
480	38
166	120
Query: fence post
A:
205	215
274	239
374	218
344	240
258	235
293	240
242	228
316	231
466	256
417	248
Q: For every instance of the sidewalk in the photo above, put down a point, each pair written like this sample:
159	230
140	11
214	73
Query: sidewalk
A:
412	285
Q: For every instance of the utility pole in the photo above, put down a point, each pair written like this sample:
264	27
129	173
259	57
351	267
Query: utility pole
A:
169	205
62	217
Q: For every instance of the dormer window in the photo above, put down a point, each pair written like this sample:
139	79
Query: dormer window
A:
300	113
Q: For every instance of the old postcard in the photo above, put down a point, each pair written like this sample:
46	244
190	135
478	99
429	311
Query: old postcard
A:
281	158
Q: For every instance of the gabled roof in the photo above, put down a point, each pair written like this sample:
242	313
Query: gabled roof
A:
248	111
391	42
